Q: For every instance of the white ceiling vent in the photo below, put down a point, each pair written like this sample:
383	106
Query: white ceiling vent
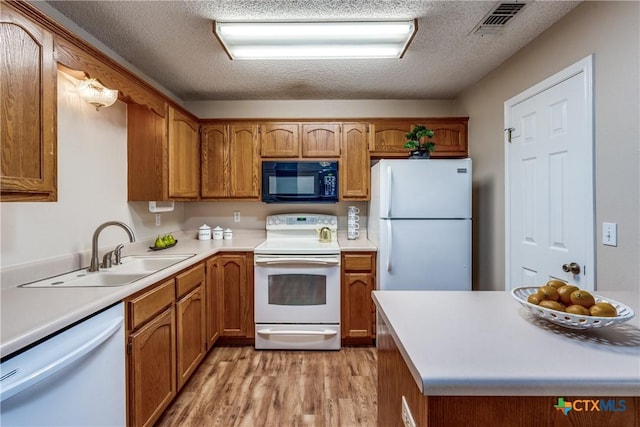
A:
494	21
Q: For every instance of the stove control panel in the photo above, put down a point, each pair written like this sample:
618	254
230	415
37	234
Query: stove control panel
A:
300	221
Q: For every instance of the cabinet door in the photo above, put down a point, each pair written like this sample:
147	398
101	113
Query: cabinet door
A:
321	140
215	161
190	333
184	155
279	140
236	295
213	296
355	168
147	154
152	369
27	110
357	310
244	160
389	138
450	136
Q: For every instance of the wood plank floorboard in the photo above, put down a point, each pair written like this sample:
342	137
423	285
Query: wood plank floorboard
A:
239	386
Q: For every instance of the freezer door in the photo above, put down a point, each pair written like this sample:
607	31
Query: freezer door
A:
425	188
424	255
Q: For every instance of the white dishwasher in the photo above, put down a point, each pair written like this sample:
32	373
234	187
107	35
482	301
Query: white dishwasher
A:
74	378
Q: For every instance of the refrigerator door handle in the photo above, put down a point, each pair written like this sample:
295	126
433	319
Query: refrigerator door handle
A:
390	245
388	185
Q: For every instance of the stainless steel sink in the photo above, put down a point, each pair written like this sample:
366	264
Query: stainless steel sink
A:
132	268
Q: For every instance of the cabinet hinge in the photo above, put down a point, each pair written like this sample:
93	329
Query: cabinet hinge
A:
129	347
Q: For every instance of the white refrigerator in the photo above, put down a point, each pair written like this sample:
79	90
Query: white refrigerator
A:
420	219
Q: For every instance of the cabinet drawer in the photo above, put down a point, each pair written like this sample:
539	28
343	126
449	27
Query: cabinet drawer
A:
144	307
358	262
189	279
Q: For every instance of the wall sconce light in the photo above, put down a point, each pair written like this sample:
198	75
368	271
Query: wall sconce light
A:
97	95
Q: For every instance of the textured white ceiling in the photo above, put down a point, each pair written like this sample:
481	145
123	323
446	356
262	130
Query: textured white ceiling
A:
173	43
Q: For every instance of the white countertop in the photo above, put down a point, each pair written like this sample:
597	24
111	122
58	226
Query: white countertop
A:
30	314
483	343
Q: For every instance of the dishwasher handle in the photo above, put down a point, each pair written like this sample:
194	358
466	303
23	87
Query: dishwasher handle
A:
51	367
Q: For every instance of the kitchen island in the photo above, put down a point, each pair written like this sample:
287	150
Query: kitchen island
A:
479	359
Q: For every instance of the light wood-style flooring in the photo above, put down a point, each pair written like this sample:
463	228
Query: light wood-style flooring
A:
239	386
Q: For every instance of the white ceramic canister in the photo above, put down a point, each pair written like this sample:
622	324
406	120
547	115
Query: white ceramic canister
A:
228	234
218	233
204	232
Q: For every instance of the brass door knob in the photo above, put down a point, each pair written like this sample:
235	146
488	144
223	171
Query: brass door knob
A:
573	268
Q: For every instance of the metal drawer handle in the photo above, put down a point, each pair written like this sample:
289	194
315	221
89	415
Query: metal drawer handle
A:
326	332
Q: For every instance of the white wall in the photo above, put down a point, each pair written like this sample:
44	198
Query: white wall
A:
92	189
610	31
316	109
254	214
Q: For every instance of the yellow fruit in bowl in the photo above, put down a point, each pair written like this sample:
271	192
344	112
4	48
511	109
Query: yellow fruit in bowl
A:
553	305
565	293
583	298
534	299
548	293
578	309
603	309
556	283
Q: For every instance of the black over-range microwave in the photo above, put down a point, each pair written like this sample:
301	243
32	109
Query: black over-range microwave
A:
300	182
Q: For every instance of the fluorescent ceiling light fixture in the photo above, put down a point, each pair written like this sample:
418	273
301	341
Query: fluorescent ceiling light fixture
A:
315	40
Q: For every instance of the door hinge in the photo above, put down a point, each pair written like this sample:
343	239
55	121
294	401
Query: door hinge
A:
510	130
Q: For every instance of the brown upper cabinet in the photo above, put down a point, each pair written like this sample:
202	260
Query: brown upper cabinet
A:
450	136
163	155
184	155
299	140
279	139
28	110
230	161
355	162
321	139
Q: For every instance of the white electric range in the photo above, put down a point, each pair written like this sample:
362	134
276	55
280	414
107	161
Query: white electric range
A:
297	283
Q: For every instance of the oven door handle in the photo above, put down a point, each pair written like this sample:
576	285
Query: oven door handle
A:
298	261
326	332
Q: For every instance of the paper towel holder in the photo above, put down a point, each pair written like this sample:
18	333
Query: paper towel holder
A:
156	207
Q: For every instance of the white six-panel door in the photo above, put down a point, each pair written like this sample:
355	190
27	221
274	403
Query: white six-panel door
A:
549	181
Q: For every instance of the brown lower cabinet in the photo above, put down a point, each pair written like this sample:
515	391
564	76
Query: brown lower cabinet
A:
230	280
151	353
165	342
357	308
191	343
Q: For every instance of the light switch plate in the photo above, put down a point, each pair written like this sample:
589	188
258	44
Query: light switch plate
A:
610	233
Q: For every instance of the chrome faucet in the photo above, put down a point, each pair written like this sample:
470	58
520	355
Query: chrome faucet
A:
95	259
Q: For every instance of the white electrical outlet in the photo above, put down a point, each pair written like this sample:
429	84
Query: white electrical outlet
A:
610	233
407	418
157	220
236	216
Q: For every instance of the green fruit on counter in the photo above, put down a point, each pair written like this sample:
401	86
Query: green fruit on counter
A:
159	243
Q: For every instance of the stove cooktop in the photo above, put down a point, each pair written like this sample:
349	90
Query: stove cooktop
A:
298	234
297	247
